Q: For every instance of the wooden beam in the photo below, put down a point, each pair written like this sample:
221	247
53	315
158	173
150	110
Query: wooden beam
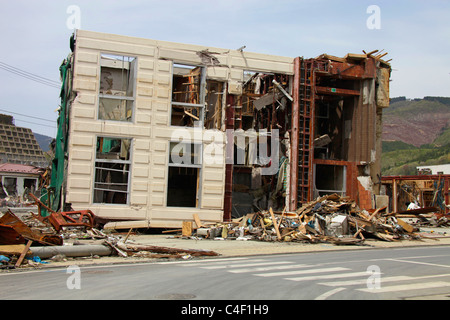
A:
197	221
24	253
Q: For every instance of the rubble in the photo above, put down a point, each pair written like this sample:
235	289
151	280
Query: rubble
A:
328	219
18	237
331	218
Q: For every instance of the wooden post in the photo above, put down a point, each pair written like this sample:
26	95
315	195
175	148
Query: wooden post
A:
274	222
394	196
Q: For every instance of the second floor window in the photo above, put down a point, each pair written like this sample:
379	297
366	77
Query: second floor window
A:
117	88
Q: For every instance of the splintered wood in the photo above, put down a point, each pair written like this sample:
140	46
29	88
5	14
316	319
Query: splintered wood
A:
330	218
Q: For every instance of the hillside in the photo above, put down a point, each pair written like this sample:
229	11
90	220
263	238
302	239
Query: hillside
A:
415	133
416	122
43	141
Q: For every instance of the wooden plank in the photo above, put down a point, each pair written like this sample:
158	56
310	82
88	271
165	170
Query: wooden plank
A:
197	221
405	225
191	115
24	253
186	228
275	224
13	249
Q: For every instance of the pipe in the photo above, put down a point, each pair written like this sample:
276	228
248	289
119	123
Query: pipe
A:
70	251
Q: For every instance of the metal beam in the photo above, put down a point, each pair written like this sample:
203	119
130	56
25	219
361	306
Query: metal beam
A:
295	122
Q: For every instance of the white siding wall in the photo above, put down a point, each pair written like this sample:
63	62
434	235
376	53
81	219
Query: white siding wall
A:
151	130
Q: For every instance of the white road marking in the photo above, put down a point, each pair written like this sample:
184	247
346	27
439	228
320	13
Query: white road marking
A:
328	294
363	281
288	273
252	264
411	286
383	279
330	276
418	262
284	267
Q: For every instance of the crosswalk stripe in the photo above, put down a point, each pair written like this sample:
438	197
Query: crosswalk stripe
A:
330	276
288	273
382	279
283	267
363	281
219	260
411	286
329	294
252	264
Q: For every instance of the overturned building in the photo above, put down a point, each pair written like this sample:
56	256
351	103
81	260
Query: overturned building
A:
152	132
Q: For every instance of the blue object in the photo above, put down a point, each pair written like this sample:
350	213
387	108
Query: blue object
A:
38	260
4	258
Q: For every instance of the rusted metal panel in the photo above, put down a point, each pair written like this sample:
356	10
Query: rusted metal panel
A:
357	70
80	218
15	231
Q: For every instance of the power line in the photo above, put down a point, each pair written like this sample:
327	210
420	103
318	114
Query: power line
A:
35	75
29	75
39	124
28	116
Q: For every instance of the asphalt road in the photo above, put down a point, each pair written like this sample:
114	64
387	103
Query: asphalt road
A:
406	273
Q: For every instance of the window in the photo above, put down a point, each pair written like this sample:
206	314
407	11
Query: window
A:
112	170
184	174
330	179
188	95
116	96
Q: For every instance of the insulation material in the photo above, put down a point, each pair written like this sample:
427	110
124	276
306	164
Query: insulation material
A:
382	96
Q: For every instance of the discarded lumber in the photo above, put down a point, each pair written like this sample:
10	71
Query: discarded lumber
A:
158	249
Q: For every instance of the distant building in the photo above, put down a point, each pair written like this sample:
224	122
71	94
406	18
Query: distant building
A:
17	181
18	145
437	169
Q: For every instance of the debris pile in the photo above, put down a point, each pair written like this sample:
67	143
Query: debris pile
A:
330	218
31	241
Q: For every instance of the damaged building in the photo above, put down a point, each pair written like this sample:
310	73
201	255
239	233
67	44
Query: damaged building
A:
152	132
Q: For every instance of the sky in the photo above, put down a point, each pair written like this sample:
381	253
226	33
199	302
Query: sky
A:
35	39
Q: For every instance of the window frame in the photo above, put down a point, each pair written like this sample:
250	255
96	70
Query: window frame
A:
127	162
132	83
202	93
198	166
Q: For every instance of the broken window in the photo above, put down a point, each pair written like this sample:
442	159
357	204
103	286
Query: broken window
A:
112	170
330	179
184	174
215	99
10	186
188	95
116	96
